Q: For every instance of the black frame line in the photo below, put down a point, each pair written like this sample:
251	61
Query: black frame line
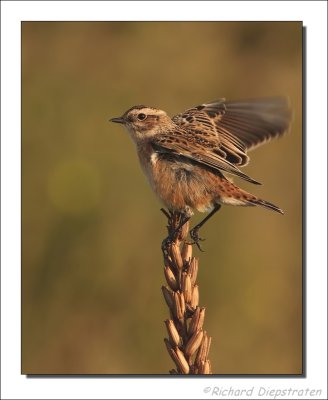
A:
304	237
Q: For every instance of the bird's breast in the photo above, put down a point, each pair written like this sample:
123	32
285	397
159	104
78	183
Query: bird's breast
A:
179	184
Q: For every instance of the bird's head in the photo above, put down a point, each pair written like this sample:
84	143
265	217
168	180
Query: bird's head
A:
144	122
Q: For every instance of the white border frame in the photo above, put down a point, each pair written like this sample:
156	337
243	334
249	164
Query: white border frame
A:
313	14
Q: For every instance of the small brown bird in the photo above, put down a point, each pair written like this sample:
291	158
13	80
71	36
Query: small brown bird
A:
185	157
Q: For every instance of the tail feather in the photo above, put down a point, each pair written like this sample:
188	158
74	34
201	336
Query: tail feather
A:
231	194
266	204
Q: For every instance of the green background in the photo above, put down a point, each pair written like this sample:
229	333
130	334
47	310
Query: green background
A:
92	229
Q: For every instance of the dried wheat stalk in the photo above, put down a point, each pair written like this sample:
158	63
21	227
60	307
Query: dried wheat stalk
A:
187	343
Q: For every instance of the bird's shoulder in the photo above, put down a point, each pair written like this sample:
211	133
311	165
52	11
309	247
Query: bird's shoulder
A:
188	137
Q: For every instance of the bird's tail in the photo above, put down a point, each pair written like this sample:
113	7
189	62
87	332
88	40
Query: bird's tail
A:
266	204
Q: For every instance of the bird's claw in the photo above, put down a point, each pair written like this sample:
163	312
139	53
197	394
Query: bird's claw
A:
195	237
166	244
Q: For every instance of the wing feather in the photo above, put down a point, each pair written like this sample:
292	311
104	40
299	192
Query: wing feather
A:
219	134
198	150
241	124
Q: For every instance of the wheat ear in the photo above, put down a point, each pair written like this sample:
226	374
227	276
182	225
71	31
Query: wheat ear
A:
187	343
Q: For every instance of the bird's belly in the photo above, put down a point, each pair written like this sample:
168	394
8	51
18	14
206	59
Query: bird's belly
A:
181	186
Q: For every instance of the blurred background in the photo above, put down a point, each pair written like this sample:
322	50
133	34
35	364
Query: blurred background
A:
92	228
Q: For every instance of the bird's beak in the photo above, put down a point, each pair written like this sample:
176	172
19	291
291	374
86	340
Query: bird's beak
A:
119	120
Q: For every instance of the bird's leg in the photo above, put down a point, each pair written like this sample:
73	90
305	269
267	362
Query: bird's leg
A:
167	240
181	220
176	221
168	214
194	231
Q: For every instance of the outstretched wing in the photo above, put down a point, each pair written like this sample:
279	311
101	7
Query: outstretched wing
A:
238	126
218	134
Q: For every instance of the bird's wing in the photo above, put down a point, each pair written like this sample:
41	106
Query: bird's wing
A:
196	148
238	126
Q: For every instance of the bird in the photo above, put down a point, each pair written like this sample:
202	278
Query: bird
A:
190	159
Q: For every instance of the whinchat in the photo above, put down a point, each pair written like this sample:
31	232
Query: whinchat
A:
185	158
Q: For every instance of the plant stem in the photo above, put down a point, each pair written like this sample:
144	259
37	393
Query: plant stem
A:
187	343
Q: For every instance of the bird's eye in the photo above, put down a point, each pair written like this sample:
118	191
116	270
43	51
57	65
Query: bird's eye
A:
141	116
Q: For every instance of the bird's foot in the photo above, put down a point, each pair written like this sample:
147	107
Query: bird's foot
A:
167	242
195	237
